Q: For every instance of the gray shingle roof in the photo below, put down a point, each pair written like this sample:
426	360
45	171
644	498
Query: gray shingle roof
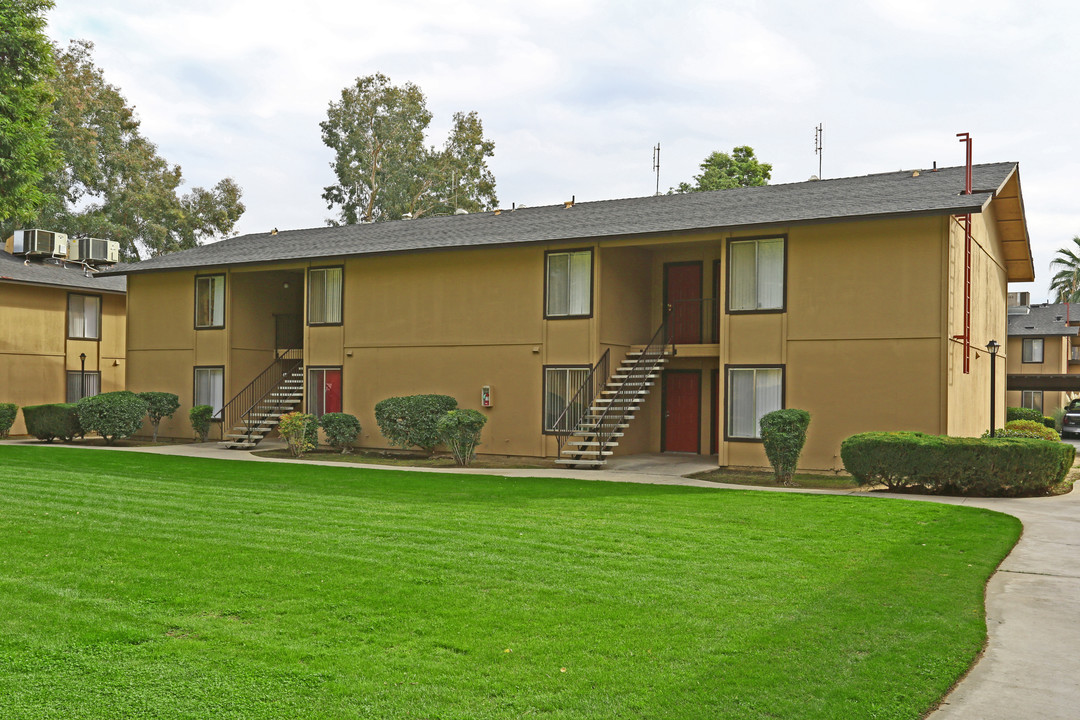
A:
1043	320
869	196
35	272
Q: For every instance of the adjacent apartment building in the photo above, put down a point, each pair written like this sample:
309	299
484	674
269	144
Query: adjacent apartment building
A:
1043	354
62	328
862	300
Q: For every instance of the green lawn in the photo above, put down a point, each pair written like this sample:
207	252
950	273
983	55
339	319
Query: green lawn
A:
139	586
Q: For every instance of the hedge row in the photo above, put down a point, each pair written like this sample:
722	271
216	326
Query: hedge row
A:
48	422
990	467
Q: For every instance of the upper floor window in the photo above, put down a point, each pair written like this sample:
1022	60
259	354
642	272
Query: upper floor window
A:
1033	350
756	275
84	317
324	296
210	301
569	284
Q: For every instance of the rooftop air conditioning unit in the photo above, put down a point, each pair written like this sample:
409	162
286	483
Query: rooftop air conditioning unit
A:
93	250
39	242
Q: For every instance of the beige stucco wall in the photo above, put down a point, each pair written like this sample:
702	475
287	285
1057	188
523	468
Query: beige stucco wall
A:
35	354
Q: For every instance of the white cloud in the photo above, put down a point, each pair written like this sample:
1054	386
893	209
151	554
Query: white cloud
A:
576	94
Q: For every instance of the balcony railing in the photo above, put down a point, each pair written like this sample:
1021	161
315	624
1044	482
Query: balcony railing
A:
692	322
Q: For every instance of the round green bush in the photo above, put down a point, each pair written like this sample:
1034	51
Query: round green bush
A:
341	430
112	415
410	420
783	432
7	418
460	431
1026	429
200	421
159	405
1015	413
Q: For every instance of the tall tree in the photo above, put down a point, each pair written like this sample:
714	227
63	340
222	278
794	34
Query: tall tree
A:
1066	281
720	171
113	183
27	151
383	168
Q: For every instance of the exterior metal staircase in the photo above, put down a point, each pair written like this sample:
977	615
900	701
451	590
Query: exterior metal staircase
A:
598	416
258	408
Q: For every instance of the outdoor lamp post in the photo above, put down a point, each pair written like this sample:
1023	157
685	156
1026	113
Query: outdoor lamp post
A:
82	376
992	347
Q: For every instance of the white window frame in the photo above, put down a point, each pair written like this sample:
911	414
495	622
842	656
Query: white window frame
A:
1029	350
568	283
84	317
760	403
324	300
760	288
560	384
210	372
213	288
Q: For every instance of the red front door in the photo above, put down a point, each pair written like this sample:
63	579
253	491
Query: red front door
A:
682	411
682	294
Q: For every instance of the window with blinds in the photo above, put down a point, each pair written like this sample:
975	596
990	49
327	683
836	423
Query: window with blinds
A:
324	296
84	317
210	387
756	275
752	392
210	301
569	284
560	386
82	384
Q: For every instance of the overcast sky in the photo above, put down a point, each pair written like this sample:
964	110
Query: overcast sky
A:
575	94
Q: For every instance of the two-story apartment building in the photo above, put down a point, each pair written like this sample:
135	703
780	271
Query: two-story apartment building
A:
677	321
62	331
1043	345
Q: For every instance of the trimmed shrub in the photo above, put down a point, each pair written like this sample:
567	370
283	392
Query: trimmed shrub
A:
159	405
7	418
112	415
1015	413
1006	467
341	430
783	432
411	420
200	420
296	429
1050	422
1025	428
460	430
48	422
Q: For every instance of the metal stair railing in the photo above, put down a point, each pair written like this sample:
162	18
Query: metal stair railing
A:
607	424
236	411
575	410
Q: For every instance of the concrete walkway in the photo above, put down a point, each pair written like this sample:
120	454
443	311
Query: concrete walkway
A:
1031	666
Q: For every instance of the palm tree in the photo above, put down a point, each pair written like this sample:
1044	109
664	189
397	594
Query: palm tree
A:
1066	281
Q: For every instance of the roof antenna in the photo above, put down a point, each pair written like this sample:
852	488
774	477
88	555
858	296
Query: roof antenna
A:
819	146
656	165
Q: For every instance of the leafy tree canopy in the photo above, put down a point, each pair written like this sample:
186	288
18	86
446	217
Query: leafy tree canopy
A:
720	171
383	168
27	151
113	183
